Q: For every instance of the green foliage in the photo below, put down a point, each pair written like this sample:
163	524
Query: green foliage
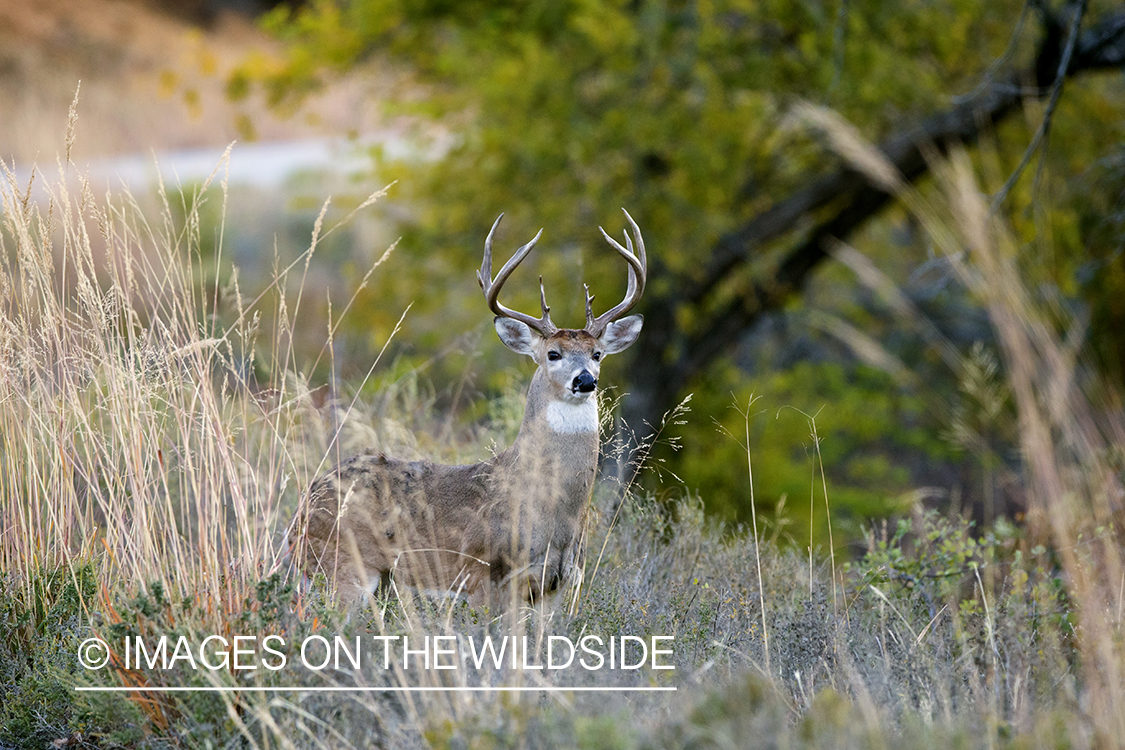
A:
566	110
867	427
988	582
41	626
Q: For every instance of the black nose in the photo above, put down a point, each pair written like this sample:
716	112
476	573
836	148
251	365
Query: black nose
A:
585	382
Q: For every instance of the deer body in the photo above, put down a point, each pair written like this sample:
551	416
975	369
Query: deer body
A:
513	520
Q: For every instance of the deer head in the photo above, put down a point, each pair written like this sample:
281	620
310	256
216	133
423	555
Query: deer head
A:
569	358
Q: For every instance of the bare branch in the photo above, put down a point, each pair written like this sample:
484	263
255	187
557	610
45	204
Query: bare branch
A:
1056	91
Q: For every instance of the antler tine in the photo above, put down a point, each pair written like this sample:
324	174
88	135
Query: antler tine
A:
589	306
543	302
485	271
638	272
491	286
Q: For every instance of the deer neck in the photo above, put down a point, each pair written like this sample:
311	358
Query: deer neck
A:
556	428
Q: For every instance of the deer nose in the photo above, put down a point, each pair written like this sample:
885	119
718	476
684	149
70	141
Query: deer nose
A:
585	382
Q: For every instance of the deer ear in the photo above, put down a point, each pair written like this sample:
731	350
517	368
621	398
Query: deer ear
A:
620	334
516	336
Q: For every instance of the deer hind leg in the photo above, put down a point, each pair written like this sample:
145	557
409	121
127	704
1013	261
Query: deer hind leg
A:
353	582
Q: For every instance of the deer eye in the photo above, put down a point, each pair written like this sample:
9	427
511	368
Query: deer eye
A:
553	355
597	356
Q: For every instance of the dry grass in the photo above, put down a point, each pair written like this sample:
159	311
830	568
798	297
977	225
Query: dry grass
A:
155	435
134	424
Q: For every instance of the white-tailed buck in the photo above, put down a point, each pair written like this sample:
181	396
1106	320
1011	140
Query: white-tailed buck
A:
513	520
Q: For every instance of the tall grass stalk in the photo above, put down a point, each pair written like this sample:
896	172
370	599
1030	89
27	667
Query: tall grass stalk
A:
754	527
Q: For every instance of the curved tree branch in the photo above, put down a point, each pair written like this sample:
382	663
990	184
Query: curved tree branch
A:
671	355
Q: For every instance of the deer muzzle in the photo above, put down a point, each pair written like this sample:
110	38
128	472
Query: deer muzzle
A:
584	382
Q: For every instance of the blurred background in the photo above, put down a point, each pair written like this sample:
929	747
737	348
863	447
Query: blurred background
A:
779	270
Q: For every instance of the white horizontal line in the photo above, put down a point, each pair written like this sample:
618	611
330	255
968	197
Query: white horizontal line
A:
405	689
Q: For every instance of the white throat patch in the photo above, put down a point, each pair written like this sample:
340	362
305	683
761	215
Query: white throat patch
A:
573	418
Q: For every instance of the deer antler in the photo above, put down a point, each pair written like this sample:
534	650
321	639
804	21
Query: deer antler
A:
492	286
638	271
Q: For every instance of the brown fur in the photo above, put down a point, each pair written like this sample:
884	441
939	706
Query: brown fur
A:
514	518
